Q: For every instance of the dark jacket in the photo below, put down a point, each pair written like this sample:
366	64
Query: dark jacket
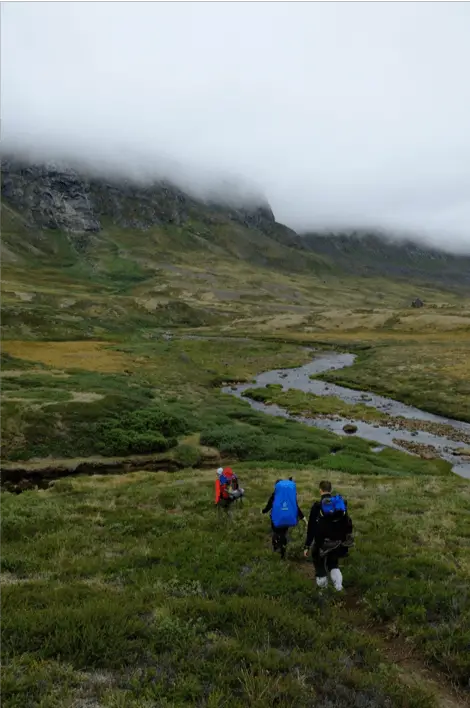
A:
270	503
335	528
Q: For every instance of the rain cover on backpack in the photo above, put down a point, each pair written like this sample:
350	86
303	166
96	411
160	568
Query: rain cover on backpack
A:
333	506
284	511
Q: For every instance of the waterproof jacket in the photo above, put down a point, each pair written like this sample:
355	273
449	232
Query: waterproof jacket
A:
320	528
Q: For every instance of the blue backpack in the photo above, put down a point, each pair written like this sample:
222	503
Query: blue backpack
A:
333	506
284	511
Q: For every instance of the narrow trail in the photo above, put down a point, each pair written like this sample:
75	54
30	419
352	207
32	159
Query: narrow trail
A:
413	670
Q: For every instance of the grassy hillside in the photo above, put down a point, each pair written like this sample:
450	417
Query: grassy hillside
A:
131	591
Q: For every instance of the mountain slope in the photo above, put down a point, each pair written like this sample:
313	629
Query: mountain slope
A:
50	197
372	254
86	256
86	207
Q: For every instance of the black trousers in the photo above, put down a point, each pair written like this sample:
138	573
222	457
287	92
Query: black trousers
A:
324	564
279	538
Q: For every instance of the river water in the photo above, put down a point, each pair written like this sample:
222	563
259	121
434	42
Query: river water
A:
383	435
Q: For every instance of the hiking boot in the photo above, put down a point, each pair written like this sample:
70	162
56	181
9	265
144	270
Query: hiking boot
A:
337	579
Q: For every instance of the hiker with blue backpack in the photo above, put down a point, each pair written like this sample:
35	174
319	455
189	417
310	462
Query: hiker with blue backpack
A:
285	512
329	535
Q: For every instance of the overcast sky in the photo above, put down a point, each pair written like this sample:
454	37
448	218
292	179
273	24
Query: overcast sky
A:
344	114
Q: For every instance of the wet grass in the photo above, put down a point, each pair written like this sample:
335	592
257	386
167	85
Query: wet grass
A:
131	591
309	405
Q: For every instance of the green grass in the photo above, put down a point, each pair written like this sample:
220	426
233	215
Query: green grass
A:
70	412
309	405
130	591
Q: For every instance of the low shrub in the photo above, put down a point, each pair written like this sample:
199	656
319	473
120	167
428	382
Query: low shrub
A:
240	441
169	421
246	443
117	441
187	455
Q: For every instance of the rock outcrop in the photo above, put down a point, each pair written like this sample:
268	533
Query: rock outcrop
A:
51	196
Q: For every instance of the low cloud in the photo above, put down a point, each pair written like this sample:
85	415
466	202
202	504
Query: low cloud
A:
342	114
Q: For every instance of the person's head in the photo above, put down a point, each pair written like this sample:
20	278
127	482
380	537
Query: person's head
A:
220	471
325	487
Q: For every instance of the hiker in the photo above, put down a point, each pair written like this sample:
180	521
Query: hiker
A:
236	491
217	484
285	513
330	531
228	488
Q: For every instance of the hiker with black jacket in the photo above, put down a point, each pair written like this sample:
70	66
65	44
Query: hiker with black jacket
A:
285	512
330	531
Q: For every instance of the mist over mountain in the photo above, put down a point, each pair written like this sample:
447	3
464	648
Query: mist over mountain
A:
77	203
342	116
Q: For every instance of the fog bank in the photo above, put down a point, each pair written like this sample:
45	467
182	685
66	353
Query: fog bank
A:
342	114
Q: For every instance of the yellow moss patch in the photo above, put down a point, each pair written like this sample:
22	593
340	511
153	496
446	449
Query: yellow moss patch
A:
93	356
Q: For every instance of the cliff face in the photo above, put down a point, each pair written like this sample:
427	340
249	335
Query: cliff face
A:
49	197
54	197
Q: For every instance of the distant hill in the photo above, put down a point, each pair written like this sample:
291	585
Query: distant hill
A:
374	254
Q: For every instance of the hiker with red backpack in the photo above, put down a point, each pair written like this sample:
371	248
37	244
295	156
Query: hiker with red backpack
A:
227	488
329	533
285	512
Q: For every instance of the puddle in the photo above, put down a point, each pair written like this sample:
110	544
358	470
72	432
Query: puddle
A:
299	378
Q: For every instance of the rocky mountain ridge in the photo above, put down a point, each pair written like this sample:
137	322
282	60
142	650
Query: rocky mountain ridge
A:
52	197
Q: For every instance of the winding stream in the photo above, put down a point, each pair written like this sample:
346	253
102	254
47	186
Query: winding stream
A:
383	435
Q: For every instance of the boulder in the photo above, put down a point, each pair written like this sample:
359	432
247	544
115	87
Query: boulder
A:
426	455
417	302
350	429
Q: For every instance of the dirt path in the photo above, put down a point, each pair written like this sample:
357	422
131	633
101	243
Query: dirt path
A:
412	669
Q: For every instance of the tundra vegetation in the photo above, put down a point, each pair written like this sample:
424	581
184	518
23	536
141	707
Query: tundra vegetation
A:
128	589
